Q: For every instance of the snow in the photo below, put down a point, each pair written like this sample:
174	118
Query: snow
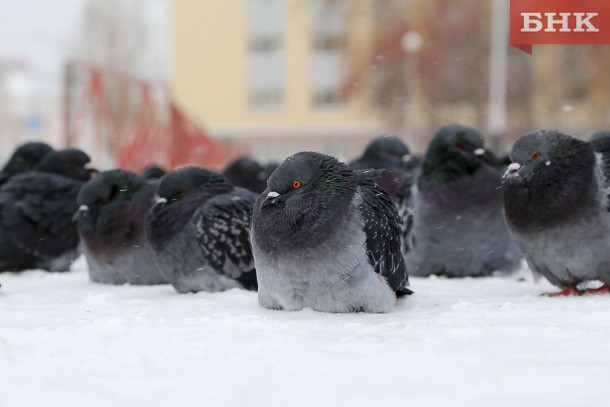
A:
65	341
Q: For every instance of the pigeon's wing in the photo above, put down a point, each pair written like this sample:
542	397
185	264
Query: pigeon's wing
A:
36	211
222	226
602	148
382	228
404	201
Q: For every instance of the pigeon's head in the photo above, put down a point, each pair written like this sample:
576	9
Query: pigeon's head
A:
187	182
550	173
455	151
303	197
69	162
26	157
108	186
247	173
153	172
388	152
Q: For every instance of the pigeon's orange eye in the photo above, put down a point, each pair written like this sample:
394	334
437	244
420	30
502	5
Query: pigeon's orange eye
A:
296	184
536	155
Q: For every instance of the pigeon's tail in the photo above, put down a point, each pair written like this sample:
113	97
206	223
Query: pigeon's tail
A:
402	291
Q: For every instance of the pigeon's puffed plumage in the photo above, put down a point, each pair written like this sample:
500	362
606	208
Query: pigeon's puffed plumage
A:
111	224
247	173
36	211
326	237
25	158
556	197
400	170
459	227
199	229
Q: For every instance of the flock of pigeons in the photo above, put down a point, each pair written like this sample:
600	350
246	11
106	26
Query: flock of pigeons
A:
317	232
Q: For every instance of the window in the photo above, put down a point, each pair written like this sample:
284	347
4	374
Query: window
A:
266	58
328	41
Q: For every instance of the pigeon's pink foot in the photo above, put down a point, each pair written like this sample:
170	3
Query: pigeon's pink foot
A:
570	290
604	289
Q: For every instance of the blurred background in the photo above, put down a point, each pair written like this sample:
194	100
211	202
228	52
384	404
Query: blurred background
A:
134	82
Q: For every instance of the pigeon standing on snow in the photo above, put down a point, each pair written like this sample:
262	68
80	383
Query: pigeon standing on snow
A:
556	197
198	230
36	211
247	173
459	227
111	224
24	159
326	237
400	169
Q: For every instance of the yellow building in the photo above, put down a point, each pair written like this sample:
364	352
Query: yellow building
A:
266	75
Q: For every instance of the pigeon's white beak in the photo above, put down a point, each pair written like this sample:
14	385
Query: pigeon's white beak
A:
83	208
512	170
479	151
159	200
406	158
272	195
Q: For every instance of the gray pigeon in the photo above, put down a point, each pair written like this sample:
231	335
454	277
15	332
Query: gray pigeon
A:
36	211
326	237
111	225
556	197
459	228
198	230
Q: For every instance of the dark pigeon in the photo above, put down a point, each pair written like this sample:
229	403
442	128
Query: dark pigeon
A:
36	211
153	172
400	170
459	228
111	224
198	230
24	159
557	202
247	173
326	237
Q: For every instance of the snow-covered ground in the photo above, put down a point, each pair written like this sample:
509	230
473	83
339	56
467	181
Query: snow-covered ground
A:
474	342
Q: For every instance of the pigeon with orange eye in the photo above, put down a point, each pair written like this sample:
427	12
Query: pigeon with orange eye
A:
556	204
326	237
198	230
458	226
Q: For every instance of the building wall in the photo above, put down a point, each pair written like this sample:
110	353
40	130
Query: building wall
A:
209	73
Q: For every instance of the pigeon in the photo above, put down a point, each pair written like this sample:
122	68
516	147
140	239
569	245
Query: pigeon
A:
199	232
400	170
459	228
36	211
557	203
153	172
24	159
246	173
326	237
391	154
111	225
